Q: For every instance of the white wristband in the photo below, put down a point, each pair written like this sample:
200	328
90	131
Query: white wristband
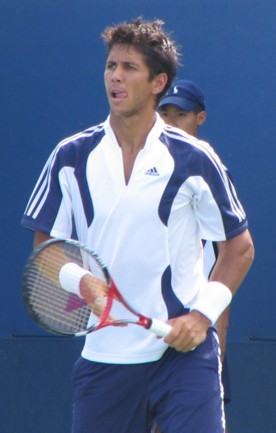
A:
70	276
212	300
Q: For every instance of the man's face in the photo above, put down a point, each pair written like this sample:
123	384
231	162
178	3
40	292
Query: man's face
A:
127	83
188	121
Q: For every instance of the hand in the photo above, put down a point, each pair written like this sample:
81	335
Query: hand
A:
188	332
94	291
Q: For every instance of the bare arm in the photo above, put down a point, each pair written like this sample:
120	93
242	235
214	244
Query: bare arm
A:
235	257
40	237
234	260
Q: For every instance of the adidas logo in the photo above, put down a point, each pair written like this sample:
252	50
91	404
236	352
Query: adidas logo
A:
152	172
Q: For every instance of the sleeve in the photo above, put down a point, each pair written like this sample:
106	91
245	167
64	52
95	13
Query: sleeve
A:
219	212
49	209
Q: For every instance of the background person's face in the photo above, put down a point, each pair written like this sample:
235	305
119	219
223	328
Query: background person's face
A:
188	121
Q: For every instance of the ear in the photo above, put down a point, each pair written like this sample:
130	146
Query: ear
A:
159	82
201	118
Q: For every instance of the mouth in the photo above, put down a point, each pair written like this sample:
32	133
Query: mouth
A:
118	94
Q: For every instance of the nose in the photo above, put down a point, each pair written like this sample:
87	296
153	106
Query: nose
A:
116	74
171	121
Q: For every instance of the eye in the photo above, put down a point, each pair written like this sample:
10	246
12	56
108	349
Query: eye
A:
130	66
110	66
182	114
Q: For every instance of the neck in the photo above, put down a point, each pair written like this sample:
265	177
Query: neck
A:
131	132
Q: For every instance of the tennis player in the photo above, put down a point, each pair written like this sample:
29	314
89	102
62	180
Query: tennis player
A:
184	106
142	195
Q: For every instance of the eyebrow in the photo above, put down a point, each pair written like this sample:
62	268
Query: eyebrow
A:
125	62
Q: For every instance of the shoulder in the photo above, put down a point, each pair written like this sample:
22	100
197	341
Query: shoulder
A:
194	157
89	135
79	145
179	142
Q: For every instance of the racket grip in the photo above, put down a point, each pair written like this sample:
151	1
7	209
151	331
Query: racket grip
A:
160	328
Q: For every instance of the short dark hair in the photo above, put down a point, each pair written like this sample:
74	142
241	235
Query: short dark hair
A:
159	50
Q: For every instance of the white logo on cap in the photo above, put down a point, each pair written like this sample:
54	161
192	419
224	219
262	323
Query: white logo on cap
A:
175	89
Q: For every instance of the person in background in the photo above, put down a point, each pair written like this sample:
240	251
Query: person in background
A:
142	195
184	106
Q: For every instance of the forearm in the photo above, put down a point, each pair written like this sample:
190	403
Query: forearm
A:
234	261
40	237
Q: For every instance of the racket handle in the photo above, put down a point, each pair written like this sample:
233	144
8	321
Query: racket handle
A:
160	328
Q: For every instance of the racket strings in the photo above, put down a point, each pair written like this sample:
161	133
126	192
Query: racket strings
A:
54	307
53	294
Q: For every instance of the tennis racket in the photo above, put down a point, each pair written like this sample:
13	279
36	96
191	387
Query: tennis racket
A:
68	290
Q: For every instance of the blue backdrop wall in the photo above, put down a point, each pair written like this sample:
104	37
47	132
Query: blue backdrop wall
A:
51	78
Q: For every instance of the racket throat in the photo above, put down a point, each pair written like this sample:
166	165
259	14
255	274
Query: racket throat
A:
145	322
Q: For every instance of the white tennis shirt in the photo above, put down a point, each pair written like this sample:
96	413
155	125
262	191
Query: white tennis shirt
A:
148	232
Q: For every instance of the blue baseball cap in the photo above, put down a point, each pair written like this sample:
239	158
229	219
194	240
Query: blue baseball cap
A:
184	94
